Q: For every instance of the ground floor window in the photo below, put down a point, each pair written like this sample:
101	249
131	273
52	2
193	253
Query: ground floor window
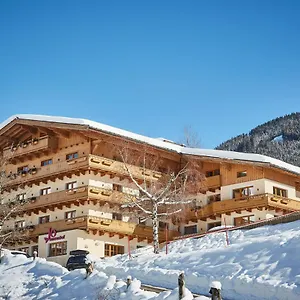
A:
56	249
111	250
212	225
190	229
239	221
35	248
24	249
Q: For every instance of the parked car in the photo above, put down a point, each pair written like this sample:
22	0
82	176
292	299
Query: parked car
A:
78	260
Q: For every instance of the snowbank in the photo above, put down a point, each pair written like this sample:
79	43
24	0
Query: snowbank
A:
258	264
261	263
23	278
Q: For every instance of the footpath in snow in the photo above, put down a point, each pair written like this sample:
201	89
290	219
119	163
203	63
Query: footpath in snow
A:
261	263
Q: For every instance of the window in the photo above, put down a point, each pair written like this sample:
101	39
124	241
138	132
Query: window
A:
213	173
241	174
24	249
242	192
44	219
46	162
142	220
72	156
35	248
117	187
21	197
57	249
190	229
279	192
117	216
162	225
23	170
70	214
213	198
212	225
71	185
244	220
111	250
20	224
45	191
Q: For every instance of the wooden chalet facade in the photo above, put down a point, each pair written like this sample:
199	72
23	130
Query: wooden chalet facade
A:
74	182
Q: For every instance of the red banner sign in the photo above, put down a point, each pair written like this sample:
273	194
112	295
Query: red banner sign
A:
52	236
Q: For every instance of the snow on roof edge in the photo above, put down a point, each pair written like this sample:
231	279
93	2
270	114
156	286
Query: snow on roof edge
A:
222	154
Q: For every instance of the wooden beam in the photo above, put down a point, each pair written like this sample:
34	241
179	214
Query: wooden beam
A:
62	133
30	129
46	130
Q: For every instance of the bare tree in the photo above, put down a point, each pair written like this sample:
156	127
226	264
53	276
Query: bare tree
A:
190	138
8	208
167	192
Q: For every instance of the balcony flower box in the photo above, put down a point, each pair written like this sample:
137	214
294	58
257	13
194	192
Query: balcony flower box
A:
106	193
94	191
95	160
107	162
284	201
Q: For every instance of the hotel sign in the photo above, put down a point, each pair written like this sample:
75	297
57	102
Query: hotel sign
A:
52	236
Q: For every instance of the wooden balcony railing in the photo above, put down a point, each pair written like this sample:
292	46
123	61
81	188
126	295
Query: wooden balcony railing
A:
117	167
127	228
30	147
213	181
75	195
102	225
60	225
36	175
89	162
250	202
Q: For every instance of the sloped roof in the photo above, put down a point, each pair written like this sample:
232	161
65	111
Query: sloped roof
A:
161	143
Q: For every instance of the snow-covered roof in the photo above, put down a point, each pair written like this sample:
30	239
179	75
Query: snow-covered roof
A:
161	143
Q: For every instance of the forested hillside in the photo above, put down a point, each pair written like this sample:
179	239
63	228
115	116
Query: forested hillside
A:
278	138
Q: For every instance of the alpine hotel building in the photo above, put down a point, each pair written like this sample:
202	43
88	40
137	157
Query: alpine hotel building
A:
74	184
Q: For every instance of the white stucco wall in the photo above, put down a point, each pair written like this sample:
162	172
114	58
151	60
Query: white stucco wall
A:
258	188
291	191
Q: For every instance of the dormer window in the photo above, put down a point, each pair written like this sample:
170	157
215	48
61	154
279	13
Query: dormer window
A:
241	174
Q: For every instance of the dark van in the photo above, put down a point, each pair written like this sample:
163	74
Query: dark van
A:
78	260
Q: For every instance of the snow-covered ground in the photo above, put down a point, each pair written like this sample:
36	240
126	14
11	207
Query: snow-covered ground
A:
23	278
260	263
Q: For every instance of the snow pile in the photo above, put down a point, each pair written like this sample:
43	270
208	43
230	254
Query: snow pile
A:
258	264
23	278
261	263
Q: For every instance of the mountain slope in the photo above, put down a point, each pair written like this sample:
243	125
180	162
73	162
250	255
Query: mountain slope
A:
278	138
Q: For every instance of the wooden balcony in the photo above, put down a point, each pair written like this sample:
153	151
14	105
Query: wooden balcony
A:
117	167
246	203
60	225
213	182
100	226
98	164
75	196
49	172
31	148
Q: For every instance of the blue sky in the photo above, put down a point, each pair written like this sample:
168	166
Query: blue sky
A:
152	67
